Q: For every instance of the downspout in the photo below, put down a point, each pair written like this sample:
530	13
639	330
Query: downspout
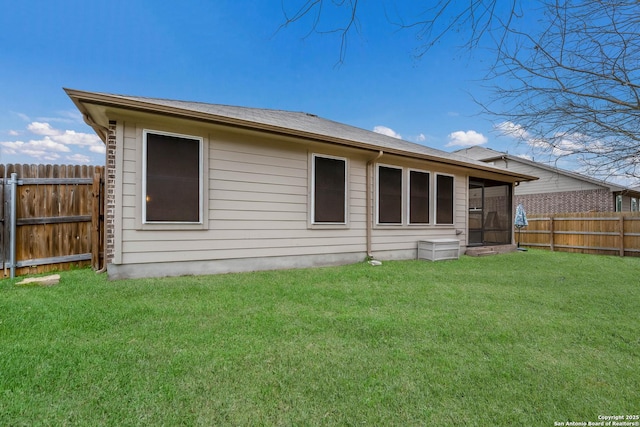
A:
370	195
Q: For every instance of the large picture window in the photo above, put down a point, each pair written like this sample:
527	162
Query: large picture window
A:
329	190
444	199
172	178
418	197
389	195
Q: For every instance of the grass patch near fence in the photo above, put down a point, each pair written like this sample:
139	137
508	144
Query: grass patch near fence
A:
519	339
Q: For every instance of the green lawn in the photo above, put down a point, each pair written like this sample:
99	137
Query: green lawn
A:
519	339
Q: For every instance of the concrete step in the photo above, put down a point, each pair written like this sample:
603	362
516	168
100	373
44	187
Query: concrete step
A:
489	250
486	253
480	252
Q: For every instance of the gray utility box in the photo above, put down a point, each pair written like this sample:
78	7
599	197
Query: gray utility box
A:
438	249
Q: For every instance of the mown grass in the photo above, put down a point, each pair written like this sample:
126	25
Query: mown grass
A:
520	339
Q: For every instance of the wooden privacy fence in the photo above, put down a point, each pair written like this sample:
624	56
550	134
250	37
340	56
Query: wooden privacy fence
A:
606	233
52	217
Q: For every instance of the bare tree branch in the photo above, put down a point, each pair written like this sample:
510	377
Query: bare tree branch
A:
575	87
568	86
314	8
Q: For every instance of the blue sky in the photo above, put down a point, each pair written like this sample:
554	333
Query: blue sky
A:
228	52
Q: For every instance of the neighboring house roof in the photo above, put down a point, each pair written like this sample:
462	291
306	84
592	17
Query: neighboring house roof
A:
94	107
484	154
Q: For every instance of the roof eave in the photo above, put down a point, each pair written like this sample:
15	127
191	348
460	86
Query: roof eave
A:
614	188
101	131
79	98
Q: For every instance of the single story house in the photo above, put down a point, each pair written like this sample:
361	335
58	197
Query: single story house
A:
558	190
195	188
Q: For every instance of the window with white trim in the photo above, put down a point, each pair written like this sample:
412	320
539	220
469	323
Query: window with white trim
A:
329	190
389	195
419	184
444	199
172	178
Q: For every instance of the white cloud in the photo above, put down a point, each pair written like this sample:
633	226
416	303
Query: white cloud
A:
14	133
40	128
49	145
565	145
40	149
466	139
71	137
79	158
557	145
560	145
421	138
48	142
572	151
386	131
573	143
513	130
100	149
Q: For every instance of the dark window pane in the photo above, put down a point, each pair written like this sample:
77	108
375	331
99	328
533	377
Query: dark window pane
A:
444	199
173	179
329	191
419	197
389	195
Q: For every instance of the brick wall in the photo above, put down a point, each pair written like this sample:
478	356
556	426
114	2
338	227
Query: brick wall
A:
110	190
570	201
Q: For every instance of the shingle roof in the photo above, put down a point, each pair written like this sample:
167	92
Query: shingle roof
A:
485	154
285	122
304	122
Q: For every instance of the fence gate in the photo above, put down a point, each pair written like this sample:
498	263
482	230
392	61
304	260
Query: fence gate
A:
56	224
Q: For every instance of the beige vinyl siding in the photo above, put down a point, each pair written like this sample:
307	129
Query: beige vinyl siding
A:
237	164
129	174
238	245
257	203
549	182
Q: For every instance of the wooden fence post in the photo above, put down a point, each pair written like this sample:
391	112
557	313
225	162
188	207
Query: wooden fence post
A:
621	234
551	229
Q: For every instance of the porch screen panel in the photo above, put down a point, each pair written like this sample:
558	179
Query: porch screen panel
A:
497	219
329	190
418	197
444	199
389	195
172	179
